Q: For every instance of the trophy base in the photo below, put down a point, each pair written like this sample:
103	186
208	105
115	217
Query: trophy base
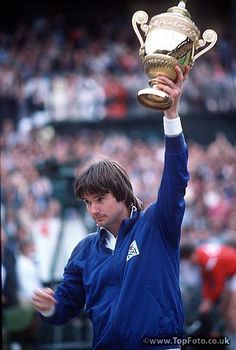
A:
154	98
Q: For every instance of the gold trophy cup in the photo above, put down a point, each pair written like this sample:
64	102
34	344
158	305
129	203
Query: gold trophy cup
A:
171	39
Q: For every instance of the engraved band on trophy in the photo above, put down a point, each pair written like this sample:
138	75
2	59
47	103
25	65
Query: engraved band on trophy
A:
171	39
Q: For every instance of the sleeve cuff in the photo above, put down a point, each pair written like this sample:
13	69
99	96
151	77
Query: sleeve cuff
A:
172	127
49	313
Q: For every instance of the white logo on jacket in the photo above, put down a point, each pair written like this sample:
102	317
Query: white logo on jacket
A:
133	250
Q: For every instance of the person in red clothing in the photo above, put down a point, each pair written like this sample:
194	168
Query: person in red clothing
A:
217	264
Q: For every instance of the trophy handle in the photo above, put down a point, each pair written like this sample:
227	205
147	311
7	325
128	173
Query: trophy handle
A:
209	36
140	17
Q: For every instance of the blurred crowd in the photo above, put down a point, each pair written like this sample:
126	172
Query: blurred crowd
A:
53	70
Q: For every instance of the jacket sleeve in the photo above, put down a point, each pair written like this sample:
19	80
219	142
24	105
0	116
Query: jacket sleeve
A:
170	203
70	294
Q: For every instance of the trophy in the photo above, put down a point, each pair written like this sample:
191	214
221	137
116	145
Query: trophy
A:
171	39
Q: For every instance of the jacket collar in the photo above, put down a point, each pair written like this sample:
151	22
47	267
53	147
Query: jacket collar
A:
125	226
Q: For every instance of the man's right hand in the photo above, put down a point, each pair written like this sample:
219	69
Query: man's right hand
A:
43	300
173	89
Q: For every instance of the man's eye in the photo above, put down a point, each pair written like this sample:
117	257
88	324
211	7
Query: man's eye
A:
100	199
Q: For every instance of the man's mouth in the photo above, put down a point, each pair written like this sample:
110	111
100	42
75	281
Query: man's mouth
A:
99	218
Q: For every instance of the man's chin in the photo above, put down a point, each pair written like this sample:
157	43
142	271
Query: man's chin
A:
101	222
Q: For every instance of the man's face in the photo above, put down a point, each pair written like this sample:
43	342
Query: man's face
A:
106	211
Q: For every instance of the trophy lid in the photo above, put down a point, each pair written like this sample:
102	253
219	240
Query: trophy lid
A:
178	19
180	9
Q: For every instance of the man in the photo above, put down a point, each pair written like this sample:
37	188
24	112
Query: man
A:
217	264
127	273
8	275
27	272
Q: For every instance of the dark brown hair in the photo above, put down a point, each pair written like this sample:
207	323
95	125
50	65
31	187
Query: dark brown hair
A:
103	176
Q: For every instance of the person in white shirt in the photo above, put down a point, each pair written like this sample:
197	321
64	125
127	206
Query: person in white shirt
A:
27	272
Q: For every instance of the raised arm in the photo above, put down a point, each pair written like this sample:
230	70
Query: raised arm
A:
170	202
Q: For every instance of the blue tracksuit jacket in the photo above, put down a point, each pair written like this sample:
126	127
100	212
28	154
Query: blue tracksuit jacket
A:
132	292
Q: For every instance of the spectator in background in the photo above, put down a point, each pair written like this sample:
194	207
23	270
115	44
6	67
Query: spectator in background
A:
218	269
8	269
19	281
116	98
27	272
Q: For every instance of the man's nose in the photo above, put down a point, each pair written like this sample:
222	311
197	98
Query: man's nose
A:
94	208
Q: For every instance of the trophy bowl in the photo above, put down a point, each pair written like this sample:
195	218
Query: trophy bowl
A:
171	39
